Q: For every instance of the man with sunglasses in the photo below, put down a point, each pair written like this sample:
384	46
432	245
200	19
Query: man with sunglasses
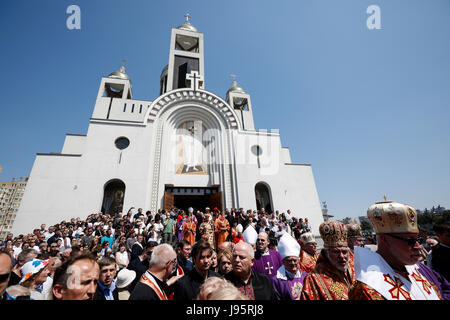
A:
394	271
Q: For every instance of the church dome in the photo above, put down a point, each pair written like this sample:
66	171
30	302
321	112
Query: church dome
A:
235	88
187	25
119	74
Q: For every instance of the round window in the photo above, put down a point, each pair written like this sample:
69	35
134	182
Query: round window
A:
122	143
256	150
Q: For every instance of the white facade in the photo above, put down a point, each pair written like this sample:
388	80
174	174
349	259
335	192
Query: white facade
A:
223	148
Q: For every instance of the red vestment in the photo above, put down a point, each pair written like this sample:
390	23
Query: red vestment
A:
325	282
221	235
189	232
307	262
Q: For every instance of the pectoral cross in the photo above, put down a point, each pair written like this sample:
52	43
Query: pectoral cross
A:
269	267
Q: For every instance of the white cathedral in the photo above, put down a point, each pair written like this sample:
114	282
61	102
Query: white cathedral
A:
188	147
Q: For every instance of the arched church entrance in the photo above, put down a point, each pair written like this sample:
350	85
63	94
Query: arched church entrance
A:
113	195
263	197
196	197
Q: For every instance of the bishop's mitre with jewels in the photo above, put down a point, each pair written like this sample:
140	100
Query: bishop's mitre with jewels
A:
393	217
333	233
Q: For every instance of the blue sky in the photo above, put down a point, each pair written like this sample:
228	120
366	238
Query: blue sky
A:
369	109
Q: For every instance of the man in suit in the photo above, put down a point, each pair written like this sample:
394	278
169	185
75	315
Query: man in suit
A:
141	264
106	288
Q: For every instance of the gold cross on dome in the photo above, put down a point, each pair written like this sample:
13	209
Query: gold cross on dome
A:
187	15
385	198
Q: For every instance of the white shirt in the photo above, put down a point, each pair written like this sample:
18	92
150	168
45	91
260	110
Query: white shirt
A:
48	235
158	228
122	257
17	250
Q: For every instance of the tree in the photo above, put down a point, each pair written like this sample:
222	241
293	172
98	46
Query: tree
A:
366	227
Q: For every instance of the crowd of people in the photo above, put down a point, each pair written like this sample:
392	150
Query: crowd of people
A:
231	255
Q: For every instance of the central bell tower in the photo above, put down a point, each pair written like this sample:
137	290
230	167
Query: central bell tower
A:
186	55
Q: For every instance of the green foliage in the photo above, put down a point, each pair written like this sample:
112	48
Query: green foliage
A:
366	227
427	219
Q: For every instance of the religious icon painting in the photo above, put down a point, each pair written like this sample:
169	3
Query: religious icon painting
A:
191	151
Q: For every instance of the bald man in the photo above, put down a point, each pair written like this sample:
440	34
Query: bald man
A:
267	261
254	285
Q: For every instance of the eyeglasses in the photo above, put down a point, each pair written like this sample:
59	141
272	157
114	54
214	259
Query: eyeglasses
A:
410	241
174	261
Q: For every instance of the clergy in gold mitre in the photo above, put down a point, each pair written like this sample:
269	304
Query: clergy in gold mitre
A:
354	238
332	277
308	254
393	272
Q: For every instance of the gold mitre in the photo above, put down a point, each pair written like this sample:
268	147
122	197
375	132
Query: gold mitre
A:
333	234
353	230
393	217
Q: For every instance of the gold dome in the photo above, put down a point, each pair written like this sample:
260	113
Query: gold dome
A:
119	74
187	25
235	88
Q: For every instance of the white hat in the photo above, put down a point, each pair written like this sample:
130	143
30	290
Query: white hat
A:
32	267
288	246
239	228
190	209
308	238
125	277
250	235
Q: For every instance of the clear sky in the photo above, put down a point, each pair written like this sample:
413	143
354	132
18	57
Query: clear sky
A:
369	109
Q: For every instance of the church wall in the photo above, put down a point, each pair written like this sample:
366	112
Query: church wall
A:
50	195
286	155
102	162
292	186
101	108
298	190
129	110
121	109
73	144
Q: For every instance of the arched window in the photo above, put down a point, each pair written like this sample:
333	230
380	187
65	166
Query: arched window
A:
113	195
263	197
